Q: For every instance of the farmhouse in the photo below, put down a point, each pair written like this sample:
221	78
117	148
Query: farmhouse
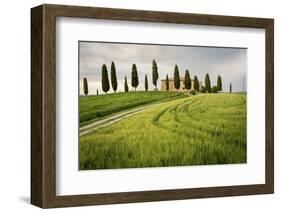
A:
182	87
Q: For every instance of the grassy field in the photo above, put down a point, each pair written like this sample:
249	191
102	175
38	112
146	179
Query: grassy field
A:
95	107
198	130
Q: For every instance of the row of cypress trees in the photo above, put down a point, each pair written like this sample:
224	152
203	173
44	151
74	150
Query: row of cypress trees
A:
105	80
187	81
155	76
134	79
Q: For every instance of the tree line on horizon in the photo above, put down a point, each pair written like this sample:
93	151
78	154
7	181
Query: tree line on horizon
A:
135	80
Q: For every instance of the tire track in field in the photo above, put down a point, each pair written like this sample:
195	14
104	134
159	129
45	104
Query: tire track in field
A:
156	118
212	121
173	109
194	125
206	136
213	130
202	133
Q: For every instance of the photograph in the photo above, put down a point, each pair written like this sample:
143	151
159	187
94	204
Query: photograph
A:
161	105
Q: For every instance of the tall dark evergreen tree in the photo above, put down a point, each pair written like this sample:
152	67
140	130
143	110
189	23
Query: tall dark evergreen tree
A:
208	83
145	83
167	83
113	78
155	75
126	88
135	79
219	83
85	86
176	77
196	83
97	91
230	88
104	79
187	80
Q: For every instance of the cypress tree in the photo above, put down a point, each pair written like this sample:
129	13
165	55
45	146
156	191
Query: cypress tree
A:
126	88
154	73
176	77
219	83
167	83
196	83
230	88
85	86
135	79
104	79
145	83
97	91
187	80
208	83
114	83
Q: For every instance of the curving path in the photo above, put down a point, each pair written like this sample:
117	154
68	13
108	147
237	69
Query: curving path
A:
123	115
110	120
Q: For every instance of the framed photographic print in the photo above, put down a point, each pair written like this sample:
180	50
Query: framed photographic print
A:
136	106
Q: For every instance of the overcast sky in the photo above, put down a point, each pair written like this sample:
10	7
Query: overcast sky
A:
229	63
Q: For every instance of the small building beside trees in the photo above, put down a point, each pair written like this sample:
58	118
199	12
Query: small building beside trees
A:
182	86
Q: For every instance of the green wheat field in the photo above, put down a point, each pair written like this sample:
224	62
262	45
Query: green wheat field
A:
170	129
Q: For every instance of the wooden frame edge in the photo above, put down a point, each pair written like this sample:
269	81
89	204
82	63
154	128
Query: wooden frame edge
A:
43	80
269	119
36	106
